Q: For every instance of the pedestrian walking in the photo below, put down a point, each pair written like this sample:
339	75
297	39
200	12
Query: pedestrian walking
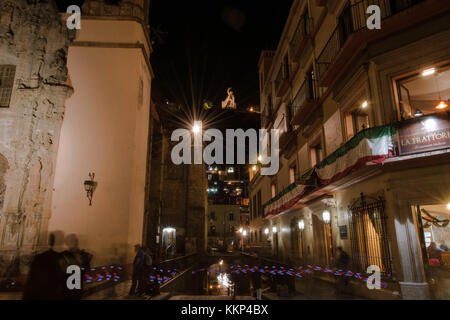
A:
74	256
138	264
342	262
46	278
256	283
147	271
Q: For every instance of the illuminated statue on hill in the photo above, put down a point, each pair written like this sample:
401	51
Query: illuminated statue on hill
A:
229	101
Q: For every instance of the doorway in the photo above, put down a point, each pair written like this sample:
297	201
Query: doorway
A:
434	236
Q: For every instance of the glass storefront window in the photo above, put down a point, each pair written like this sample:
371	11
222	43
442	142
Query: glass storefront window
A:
427	91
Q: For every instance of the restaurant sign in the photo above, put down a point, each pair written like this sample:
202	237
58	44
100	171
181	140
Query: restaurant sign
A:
424	134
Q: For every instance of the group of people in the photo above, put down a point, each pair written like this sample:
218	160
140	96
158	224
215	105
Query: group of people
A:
47	278
143	265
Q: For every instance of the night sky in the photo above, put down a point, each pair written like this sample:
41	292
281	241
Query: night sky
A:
208	46
212	45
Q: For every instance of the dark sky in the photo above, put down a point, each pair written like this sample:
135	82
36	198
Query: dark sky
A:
212	45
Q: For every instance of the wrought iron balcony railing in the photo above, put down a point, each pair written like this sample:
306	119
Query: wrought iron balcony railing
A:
304	28
352	20
282	79
308	92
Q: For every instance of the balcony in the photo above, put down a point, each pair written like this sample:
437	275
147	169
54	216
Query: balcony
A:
287	143
351	35
301	37
282	80
304	102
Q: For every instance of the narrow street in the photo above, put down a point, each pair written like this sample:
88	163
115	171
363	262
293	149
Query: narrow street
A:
235	150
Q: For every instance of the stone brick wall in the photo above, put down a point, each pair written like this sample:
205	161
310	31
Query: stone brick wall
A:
34	40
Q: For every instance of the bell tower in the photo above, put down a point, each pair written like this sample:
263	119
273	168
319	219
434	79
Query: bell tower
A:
138	9
107	121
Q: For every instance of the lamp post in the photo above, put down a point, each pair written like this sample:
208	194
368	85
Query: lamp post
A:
275	240
326	216
244	234
301	227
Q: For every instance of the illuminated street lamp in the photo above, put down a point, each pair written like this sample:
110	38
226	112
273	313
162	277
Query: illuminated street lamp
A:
301	226
364	104
196	128
326	216
274	229
266	231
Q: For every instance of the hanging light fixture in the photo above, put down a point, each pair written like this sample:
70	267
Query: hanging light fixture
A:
441	105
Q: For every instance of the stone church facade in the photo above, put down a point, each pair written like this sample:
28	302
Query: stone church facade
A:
76	102
34	85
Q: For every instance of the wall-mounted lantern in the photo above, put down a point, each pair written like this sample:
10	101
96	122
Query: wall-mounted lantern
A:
89	186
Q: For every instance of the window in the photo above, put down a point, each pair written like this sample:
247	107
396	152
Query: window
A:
7	74
316	154
269	105
256	236
425	92
292	175
286	67
212	215
368	236
356	121
255	212
310	78
261	81
231	216
273	189
260	235
260	208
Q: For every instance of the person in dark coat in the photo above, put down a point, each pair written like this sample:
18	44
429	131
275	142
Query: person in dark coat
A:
138	268
80	258
342	262
257	285
46	278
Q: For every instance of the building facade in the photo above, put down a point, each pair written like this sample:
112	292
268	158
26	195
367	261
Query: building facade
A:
364	164
105	132
223	225
33	89
53	149
176	205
